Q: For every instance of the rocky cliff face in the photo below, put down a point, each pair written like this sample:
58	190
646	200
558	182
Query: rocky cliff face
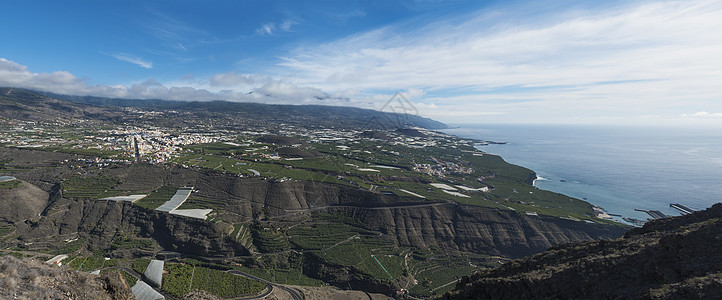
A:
100	222
460	228
675	258
450	227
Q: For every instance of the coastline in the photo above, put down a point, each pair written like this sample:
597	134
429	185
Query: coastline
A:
612	168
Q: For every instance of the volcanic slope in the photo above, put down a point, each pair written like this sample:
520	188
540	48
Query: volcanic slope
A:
674	258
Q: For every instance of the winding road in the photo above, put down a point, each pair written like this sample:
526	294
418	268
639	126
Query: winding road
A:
296	295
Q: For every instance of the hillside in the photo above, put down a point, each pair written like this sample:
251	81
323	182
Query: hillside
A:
317	114
24	105
32	279
675	258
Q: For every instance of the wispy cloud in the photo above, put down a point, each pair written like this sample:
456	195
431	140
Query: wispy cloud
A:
636	58
169	29
133	60
271	28
286	25
267	28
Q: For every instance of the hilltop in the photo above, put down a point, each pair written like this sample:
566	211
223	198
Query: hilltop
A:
674	258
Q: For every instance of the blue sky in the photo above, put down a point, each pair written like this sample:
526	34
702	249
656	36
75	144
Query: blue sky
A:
630	62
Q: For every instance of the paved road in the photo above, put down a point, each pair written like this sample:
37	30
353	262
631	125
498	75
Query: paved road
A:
294	294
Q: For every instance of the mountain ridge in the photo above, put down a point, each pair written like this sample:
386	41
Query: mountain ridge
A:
672	258
284	110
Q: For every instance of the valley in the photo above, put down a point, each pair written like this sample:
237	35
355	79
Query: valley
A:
373	203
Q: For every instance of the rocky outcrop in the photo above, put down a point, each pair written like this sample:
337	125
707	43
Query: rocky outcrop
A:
31	279
675	258
100	222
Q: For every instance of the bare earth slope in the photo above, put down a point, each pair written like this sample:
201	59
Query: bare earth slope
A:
22	202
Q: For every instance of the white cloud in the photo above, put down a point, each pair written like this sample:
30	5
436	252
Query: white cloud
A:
702	114
267	29
133	60
638	59
271	28
13	74
259	88
624	62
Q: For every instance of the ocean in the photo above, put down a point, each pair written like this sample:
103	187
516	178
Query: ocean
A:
617	168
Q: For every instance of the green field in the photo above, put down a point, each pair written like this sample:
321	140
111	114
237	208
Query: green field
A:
437	274
286	268
268	239
322	235
508	182
8	185
203	203
157	197
6	229
182	278
362	254
90	187
140	264
126	242
68	248
88	152
91	263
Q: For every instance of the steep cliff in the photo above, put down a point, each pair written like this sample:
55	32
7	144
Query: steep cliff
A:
451	227
462	228
99	222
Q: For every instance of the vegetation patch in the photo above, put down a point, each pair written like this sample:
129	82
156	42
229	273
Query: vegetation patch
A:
376	257
323	235
87	264
202	203
90	187
183	278
157	197
6	229
140	264
269	239
283	268
69	248
126	242
85	151
8	185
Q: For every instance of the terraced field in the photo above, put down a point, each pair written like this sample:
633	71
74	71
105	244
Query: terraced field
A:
322	235
363	253
91	263
95	187
157	197
182	278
